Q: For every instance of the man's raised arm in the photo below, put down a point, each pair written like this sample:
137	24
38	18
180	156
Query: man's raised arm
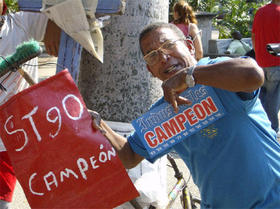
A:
128	157
236	75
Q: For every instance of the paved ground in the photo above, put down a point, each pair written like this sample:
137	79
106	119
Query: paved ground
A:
47	66
20	201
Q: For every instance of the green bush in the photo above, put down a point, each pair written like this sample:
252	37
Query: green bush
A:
236	15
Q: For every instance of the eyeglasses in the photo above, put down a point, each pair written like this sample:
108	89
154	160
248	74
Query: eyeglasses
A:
167	48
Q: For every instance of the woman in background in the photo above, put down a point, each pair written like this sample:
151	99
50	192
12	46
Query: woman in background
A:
184	18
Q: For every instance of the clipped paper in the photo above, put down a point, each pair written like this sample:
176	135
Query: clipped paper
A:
73	17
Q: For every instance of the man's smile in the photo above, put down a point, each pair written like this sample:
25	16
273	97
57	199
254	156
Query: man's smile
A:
173	69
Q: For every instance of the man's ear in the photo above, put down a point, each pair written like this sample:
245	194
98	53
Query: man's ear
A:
149	69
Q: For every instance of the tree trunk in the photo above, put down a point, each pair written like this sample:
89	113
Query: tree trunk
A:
121	88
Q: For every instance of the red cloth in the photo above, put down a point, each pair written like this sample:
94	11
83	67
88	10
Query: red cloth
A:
4	8
266	27
7	178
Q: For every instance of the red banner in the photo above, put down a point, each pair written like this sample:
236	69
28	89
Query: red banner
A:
59	160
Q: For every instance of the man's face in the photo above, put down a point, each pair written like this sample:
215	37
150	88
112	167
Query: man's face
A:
166	64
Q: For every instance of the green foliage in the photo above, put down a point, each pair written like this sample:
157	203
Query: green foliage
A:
236	15
204	5
231	14
12	5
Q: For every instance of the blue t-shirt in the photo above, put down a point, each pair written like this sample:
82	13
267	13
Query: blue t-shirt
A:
235	161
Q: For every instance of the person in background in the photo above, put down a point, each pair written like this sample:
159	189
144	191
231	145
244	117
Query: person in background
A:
235	160
15	29
266	29
251	53
237	46
184	18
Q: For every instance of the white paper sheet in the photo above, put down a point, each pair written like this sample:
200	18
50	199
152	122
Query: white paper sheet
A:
76	18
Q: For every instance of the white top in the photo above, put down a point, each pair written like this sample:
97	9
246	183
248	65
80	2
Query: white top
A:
19	27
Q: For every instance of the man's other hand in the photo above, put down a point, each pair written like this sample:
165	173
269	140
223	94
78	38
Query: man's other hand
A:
172	87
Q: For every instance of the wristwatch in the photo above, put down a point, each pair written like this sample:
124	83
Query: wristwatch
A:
189	77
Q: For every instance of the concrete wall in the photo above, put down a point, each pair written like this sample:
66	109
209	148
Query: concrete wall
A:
205	24
218	47
121	89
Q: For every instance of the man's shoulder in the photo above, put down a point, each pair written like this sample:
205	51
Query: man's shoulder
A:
208	61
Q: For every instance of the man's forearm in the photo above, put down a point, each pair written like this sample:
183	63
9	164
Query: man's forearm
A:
128	157
235	75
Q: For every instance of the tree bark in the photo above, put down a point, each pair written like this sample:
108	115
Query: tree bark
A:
121	88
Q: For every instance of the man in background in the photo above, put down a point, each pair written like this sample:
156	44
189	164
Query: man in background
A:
266	29
237	46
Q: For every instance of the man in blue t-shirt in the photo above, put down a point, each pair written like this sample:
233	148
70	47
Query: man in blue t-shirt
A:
235	161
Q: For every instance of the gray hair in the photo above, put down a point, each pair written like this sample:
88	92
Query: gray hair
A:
152	27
